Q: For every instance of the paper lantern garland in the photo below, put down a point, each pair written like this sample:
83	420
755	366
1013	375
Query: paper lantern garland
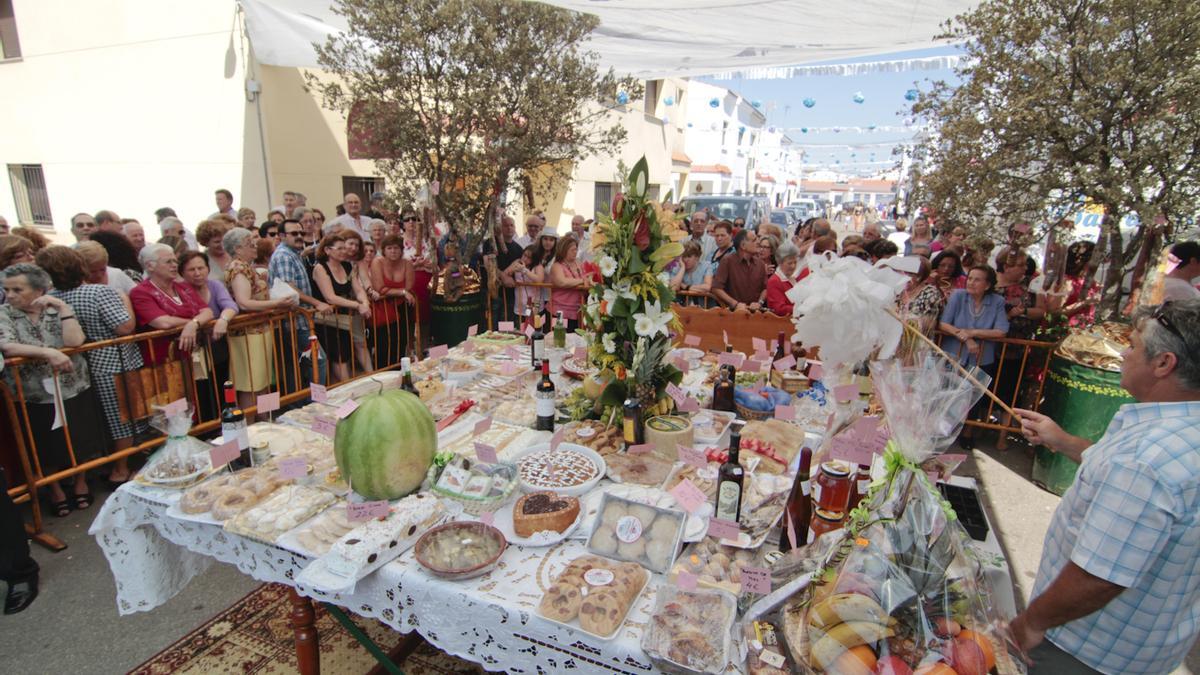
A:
622	97
810	102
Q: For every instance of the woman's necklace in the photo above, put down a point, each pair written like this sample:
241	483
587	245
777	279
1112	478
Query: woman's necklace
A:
178	301
976	312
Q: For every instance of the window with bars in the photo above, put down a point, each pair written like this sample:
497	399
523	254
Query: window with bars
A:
10	44
30	195
363	186
603	196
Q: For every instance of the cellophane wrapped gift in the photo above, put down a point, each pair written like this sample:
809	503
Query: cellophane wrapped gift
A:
182	457
901	588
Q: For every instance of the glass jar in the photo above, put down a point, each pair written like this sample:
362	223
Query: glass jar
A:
831	487
825	521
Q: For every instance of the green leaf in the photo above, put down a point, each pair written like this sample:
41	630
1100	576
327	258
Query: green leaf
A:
636	266
614	393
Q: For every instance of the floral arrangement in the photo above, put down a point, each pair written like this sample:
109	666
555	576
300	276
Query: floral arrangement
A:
630	311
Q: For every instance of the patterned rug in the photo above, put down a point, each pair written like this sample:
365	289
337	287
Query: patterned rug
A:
255	636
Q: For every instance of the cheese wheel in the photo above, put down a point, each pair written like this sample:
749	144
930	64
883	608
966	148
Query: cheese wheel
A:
666	432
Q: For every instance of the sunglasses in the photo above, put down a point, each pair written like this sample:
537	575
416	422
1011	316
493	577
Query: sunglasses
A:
295	233
1160	315
274	234
408	219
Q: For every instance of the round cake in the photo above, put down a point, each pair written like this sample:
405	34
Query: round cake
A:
544	512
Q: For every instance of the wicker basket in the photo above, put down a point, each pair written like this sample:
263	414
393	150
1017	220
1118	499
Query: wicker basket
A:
471	505
753	415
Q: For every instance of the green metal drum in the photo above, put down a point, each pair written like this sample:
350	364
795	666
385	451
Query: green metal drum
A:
450	321
1083	401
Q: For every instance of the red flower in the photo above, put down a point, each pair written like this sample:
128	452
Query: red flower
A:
617	204
641	236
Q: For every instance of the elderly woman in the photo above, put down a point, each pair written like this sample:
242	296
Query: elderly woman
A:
95	263
37	326
922	301
973	317
377	229
104	314
193	269
251	353
162	302
336	284
392	278
210	234
782	280
569	281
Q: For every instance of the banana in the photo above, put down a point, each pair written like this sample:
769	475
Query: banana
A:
843	636
842	607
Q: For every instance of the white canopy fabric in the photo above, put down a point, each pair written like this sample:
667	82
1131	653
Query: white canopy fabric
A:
660	38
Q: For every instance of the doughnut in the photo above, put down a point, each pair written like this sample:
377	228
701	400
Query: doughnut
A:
233	502
199	499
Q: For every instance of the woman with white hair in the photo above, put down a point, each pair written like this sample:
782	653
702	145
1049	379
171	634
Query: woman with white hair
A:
163	301
251	354
782	279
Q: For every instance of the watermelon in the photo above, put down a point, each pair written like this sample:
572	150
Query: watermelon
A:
385	447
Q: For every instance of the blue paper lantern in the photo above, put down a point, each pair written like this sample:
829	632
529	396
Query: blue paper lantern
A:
742	129
837	130
622	97
690	125
714	102
911	95
804	130
666	120
810	102
858	97
670	100
771	129
871	127
756	103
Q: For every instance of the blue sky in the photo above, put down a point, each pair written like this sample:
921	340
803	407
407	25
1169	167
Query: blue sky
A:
884	105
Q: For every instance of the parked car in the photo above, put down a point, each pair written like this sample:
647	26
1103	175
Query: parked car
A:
807	207
783	218
755	209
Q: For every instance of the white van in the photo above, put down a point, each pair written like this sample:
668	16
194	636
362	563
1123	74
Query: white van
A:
808	206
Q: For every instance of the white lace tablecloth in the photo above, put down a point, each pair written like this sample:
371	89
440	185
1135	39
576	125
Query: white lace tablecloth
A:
489	620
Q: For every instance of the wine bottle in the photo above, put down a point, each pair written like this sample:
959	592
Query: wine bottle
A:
730	478
233	425
779	351
406	381
537	344
722	398
633	431
798	511
544	399
560	332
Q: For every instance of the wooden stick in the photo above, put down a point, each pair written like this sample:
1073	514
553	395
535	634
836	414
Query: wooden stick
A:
963	371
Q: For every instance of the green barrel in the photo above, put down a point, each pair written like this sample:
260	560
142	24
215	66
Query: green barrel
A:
1083	401
451	320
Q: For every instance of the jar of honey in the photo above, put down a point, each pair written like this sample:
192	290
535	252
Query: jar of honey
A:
860	487
825	521
831	487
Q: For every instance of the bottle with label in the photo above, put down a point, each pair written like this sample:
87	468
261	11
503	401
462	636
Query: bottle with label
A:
537	343
406	380
634	431
798	511
544	400
722	398
730	478
780	351
233	425
860	487
560	332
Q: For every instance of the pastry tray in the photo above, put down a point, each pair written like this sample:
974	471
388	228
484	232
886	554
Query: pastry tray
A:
574	624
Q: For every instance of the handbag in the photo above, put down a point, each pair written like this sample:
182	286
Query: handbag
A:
336	320
139	391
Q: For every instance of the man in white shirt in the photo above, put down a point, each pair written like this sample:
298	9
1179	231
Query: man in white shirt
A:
82	226
135	233
579	228
1180	284
352	219
533	229
900	236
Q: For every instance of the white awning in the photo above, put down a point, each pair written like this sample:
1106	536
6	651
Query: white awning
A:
659	38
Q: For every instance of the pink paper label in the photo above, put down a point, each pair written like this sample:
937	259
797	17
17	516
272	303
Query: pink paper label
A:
324	427
483	425
472	331
691	456
580	353
268	402
689	496
759	344
725	336
528	331
682	365
756	580
358	511
845	392
675	393
685	580
293	467
505	326
865	427
786	363
849	449
318	392
816	372
764	356
730	359
224	454
722	529
689	405
752	366
488	517
639	449
439	351
691	340
557	438
175	407
486	453
468	347
786	413
347	408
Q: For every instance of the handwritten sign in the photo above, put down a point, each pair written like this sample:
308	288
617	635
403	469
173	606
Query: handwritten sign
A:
786	413
848	448
756	580
691	340
580	353
348	407
528	331
438	351
865	427
223	454
359	511
689	497
639	449
753	366
675	393
682	364
318	392
786	363
483	425
505	326
557	438
689	405
473	330
691	456
730	359
815	371
468	347
486	453
175	407
722	529
292	467
268	402
324	427
685	580
759	344
845	392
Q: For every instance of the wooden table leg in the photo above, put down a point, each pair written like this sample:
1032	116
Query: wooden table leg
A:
308	656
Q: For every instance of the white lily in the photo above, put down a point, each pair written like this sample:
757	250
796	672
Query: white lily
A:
609	343
653	321
608	265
